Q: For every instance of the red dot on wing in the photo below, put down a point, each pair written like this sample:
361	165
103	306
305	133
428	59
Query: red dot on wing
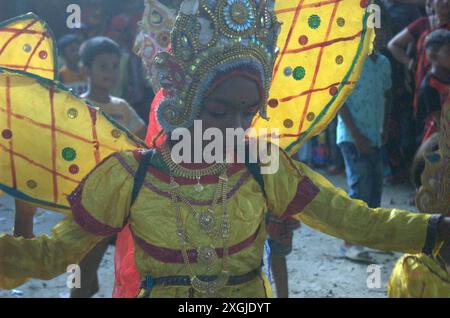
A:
74	169
7	134
303	40
273	103
333	90
43	55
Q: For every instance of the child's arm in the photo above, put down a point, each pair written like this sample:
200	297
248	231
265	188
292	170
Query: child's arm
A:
398	47
100	208
362	143
23	221
298	192
135	123
44	257
333	212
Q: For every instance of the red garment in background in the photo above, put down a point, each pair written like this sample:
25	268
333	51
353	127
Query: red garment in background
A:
127	277
420	29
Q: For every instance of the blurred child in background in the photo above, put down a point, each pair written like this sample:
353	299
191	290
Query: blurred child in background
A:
101	60
361	132
71	74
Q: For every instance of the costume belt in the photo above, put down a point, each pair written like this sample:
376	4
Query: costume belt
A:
149	282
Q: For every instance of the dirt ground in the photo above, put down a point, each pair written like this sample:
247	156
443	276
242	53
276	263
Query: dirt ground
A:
315	267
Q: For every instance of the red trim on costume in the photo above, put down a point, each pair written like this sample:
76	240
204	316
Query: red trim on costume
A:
281	229
167	255
83	217
86	220
306	192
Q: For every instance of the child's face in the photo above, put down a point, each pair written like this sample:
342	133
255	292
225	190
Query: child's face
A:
104	71
232	104
442	57
71	53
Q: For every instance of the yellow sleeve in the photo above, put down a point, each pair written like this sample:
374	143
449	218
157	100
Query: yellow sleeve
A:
101	203
296	191
44	257
100	206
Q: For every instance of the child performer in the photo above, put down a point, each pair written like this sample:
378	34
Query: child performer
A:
199	228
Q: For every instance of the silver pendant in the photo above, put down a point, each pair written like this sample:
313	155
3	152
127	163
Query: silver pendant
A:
198	187
207	255
207	221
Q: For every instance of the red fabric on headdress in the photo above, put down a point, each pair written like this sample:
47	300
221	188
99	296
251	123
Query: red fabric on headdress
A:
127	276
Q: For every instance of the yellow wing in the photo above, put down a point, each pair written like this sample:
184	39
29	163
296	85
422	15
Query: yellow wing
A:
26	44
323	45
50	139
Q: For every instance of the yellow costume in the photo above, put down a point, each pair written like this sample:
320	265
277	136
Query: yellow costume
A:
419	276
234	35
102	201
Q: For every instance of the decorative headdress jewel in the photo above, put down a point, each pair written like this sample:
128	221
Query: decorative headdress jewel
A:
211	37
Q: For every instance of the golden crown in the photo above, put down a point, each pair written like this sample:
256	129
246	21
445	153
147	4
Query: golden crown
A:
210	37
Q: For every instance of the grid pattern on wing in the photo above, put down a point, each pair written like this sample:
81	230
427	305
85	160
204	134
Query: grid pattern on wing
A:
49	139
26	44
323	45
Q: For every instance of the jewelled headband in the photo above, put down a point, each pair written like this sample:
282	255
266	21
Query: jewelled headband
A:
210	38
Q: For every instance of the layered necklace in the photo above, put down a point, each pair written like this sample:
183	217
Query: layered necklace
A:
193	174
207	222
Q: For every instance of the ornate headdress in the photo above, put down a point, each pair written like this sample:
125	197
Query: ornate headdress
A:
209	37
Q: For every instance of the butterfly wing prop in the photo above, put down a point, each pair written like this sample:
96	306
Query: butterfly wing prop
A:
50	139
26	44
323	45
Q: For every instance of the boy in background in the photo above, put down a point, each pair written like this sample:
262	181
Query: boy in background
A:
100	57
71	74
433	93
361	131
436	84
101	60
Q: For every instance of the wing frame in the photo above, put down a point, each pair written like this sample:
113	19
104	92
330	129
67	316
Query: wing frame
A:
33	16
